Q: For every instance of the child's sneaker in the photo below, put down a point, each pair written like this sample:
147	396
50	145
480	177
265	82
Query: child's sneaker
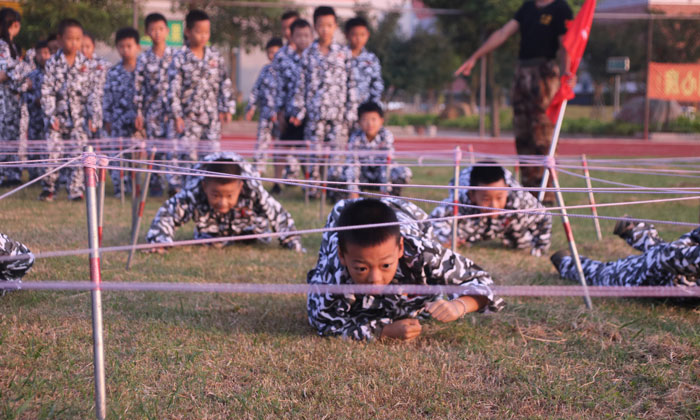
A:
46	196
558	257
623	227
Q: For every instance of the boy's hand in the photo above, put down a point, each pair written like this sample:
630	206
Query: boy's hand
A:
55	124
273	118
138	123
225	117
3	76
249	114
447	310
465	68
108	127
295	121
29	84
179	125
159	250
403	329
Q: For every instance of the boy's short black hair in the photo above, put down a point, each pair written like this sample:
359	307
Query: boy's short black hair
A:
355	22
126	33
153	18
51	37
369	106
222	166
290	14
324	11
68	23
195	16
90	36
299	23
274	42
365	212
486	172
41	45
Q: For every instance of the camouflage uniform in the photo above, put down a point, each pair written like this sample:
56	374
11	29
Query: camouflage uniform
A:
16	269
533	90
425	261
36	120
68	96
366	80
263	97
515	230
119	112
370	168
256	211
323	96
661	263
99	68
151	95
10	111
199	90
287	66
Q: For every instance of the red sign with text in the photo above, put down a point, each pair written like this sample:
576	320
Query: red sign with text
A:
674	81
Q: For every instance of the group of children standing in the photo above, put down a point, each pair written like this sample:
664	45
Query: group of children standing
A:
72	96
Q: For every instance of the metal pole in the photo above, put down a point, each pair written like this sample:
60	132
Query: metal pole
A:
591	198
482	98
142	205
570	238
306	173
455	200
388	172
324	177
101	204
472	158
96	278
616	99
552	149
647	105
121	173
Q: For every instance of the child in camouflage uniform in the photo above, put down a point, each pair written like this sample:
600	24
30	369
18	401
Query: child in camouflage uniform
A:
263	98
151	92
36	121
660	264
366	166
366	69
516	230
323	95
400	254
118	102
67	99
99	67
223	207
14	270
200	92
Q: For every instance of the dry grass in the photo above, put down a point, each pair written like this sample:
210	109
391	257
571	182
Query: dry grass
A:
228	356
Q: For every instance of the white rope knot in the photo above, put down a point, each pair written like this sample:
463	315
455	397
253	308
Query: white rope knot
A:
103	161
89	160
550	162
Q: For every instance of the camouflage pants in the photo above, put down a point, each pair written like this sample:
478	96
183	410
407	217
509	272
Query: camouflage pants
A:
324	134
158	127
197	141
58	148
398	175
36	131
9	131
533	90
661	264
267	131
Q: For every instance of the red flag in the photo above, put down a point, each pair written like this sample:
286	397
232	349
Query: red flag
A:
574	42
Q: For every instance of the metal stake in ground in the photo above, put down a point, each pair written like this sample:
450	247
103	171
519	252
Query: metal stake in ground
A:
591	197
101	204
570	236
142	204
472	158
306	174
96	278
121	173
552	149
455	200
324	177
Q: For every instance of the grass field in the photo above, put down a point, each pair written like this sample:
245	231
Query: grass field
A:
196	356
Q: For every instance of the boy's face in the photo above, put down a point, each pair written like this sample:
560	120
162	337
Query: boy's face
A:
128	49
42	56
302	38
492	197
358	37
222	197
325	28
271	52
158	32
54	46
71	39
371	123
87	47
372	265
199	34
286	28
13	30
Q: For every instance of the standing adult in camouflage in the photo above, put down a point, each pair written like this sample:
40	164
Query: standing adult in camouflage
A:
542	24
200	93
661	263
68	99
14	270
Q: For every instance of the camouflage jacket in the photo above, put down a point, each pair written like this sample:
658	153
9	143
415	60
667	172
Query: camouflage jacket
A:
516	230
68	92
14	270
263	94
99	68
323	89
32	98
16	70
373	166
118	101
366	80
425	261
256	212
199	89
286	66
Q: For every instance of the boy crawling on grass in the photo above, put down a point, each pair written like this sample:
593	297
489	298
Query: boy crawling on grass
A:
15	269
398	254
224	205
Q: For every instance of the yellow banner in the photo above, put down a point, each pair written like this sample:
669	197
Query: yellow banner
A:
13	4
674	81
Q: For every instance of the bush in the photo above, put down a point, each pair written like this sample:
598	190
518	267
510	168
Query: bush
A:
685	125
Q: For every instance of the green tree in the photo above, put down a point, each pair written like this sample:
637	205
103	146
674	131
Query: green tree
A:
101	18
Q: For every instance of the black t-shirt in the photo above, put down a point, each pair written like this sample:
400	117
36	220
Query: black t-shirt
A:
541	27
